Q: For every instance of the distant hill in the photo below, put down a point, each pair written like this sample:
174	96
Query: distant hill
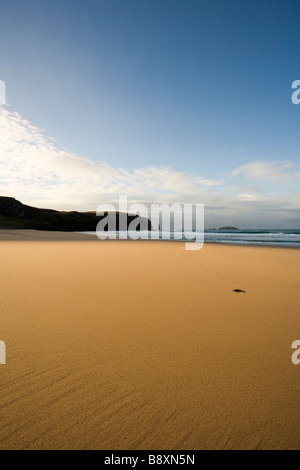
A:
228	228
15	215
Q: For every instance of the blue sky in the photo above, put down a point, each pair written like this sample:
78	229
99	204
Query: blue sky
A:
163	90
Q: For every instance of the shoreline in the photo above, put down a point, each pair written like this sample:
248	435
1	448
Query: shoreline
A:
8	235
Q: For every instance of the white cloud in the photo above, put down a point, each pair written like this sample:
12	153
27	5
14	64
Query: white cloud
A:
269	171
247	197
33	169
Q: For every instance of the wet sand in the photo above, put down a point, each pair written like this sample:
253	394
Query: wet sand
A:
143	345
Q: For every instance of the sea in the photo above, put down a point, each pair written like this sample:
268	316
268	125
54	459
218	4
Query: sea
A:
254	237
283	238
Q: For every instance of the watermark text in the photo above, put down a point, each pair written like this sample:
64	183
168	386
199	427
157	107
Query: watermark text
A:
168	222
2	93
296	94
296	354
2	353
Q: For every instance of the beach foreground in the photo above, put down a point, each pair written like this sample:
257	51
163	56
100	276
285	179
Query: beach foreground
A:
143	345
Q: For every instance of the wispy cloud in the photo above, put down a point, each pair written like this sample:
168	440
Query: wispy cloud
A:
33	168
36	171
269	171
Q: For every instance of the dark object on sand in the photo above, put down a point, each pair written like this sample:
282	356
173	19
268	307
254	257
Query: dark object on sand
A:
239	291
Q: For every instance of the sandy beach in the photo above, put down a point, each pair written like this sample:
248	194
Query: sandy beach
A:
143	345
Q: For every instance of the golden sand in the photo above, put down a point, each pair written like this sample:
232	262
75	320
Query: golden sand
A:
143	345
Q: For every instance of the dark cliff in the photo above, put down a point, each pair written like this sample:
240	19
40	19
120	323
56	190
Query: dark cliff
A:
15	215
